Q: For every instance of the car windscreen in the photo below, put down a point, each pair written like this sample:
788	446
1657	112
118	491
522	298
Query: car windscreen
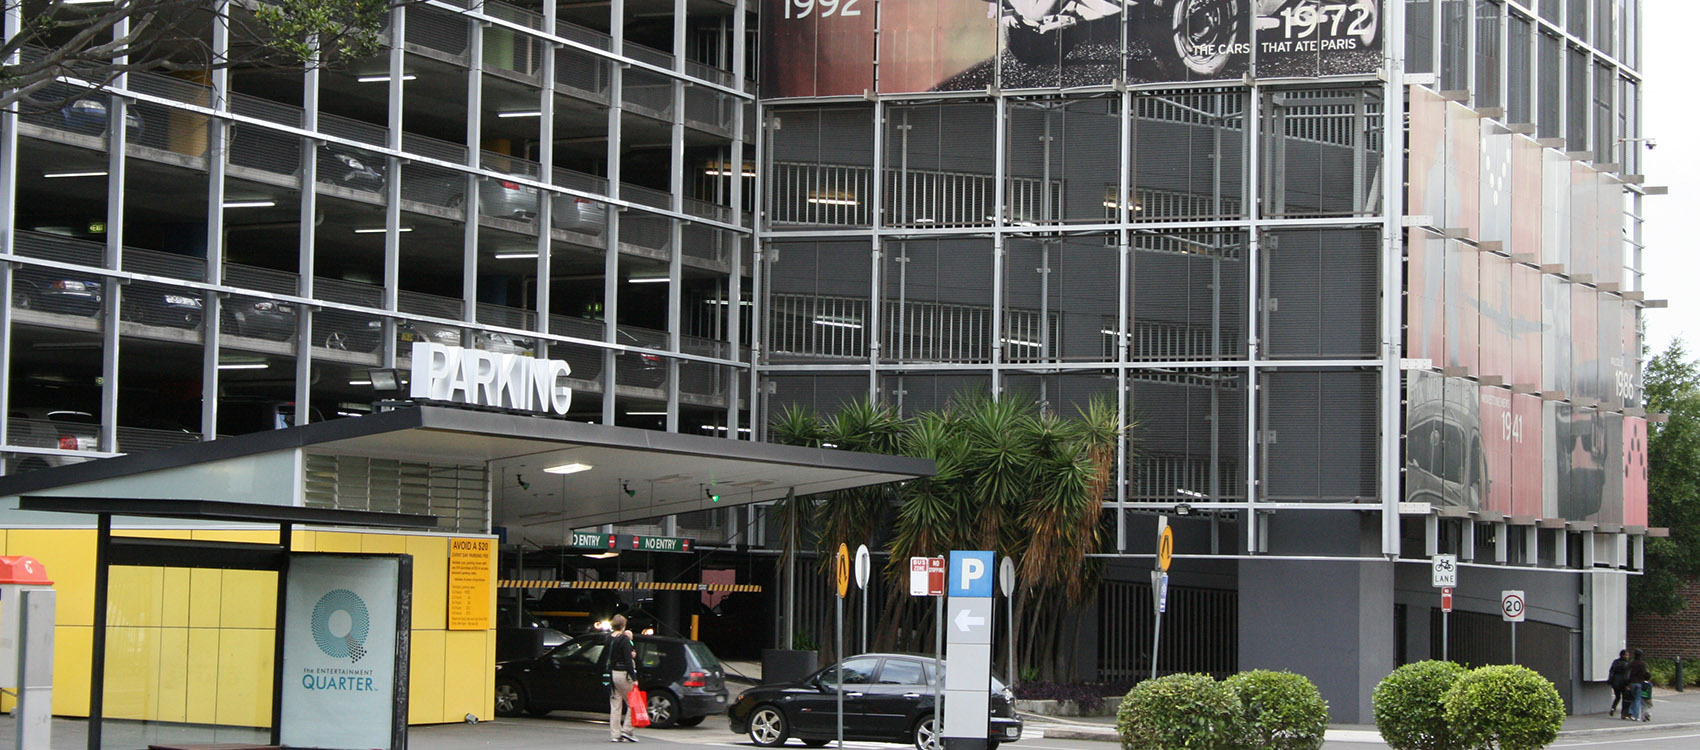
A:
704	657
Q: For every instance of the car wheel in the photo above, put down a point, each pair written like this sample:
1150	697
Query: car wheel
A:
690	721
335	340
926	734
22	301
992	744
663	709
816	743
768	727
510	698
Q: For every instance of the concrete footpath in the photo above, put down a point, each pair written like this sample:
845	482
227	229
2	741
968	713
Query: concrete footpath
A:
1671	710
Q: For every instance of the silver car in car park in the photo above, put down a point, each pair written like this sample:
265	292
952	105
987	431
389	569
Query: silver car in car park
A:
64	429
506	199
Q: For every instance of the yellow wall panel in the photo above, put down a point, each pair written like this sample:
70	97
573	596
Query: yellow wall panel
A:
171	687
135	597
245	678
201	688
132	660
206	592
245	536
68	555
430	580
467	675
154	533
336	541
425	678
383	544
249	599
174	597
71	646
303	540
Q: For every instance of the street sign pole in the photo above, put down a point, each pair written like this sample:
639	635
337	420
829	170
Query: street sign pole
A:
1006	581
1513	607
1156	605
862	567
1160	585
841	570
1445	578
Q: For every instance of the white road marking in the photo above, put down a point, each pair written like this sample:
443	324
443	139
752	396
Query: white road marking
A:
1624	741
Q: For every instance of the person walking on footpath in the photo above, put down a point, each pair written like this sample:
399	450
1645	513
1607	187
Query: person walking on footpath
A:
622	676
1618	678
1638	679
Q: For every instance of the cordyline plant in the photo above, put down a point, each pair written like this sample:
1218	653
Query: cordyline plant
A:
89	44
1012	478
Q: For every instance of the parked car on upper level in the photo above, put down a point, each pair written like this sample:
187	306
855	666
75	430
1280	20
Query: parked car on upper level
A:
39	427
887	698
50	290
684	680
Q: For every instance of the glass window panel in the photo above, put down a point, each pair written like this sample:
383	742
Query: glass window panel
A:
1548	81
1489	16
1454	45
1188	154
1419	36
1520	70
1576	98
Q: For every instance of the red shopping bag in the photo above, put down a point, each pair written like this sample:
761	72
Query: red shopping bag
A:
638	702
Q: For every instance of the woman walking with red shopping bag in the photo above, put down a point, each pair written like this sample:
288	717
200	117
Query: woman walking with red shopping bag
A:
622	678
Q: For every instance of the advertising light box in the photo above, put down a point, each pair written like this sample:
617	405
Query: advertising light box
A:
828	47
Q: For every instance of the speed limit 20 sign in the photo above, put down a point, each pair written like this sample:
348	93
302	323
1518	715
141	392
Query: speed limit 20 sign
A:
1511	606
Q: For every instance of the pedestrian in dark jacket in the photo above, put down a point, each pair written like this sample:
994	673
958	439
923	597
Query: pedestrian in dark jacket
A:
1618	678
1639	678
622	676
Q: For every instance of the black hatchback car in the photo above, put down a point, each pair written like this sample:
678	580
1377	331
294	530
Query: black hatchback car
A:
683	678
887	698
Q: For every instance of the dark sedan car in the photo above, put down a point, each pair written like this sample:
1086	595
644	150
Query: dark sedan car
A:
887	698
683	678
50	291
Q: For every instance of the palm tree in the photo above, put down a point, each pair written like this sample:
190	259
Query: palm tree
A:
1011	478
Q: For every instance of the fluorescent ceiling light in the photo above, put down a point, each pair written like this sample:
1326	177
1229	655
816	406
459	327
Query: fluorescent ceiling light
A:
515	256
573	468
385	78
725	173
249	204
721	428
647	280
379	230
86	173
833	201
524	113
243	366
359	382
837	323
603	555
646	414
1021	342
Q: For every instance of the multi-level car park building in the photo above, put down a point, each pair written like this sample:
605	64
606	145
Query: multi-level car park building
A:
1363	273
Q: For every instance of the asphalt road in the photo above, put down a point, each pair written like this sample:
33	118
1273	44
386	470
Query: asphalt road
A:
567	729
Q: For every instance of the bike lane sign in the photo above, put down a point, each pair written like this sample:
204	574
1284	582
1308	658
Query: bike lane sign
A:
1445	571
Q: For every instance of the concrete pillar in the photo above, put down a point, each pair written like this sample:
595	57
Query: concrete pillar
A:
1329	621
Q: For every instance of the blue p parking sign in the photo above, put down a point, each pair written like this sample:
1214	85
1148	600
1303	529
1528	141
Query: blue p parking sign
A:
971	573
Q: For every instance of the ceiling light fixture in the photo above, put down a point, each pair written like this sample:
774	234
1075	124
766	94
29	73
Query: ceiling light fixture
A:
837	322
84	173
243	366
646	414
515	256
521	113
385	78
249	204
647	280
379	230
830	201
572	468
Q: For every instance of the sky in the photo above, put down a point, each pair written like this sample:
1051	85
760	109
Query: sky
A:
1670	111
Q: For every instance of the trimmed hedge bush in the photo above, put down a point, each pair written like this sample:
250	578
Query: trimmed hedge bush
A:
1507	707
1181	711
1283	711
1408	706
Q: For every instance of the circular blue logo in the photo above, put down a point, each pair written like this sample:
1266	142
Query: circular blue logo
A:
340	625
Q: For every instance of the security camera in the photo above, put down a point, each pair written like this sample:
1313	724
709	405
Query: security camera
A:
1652	144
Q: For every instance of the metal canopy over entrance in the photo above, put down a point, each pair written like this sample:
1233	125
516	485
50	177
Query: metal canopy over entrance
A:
618	474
